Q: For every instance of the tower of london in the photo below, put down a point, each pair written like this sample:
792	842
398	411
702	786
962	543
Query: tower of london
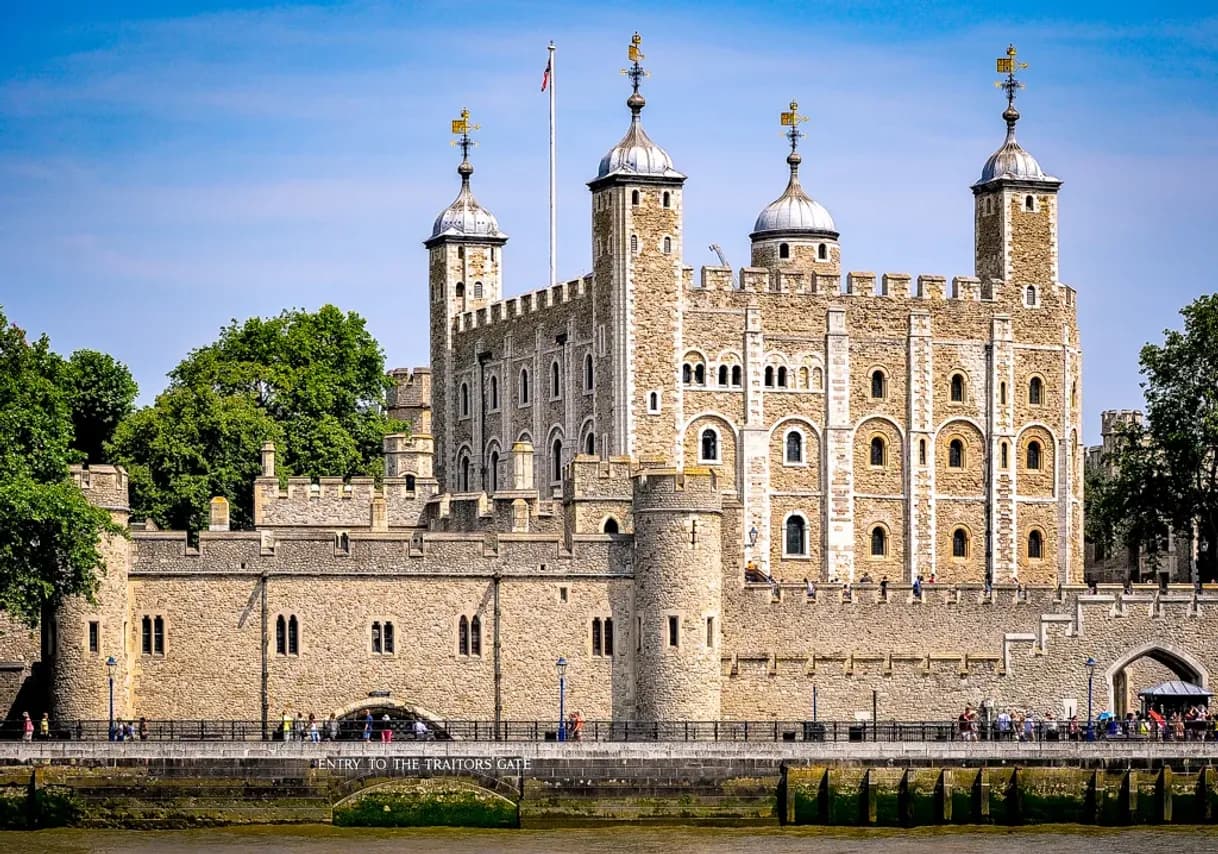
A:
712	492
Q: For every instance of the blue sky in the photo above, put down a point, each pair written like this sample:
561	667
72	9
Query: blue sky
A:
167	166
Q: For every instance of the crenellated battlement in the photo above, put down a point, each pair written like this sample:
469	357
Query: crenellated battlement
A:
588	476
524	304
341	503
690	488
104	485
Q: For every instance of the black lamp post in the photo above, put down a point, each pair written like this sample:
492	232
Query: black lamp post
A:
752	536
561	667
1090	664
111	663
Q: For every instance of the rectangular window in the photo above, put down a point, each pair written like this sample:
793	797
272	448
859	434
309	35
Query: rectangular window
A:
638	634
158	635
94	636
673	630
608	636
562	592
146	635
596	637
388	638
710	632
377	645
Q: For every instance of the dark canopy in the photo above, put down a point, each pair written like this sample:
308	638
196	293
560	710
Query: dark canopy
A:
1176	690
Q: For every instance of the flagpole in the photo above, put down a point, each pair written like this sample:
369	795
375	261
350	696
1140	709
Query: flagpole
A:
553	183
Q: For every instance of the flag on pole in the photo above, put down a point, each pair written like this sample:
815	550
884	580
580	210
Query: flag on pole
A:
545	76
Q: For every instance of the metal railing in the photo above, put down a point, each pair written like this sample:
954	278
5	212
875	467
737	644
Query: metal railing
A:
403	729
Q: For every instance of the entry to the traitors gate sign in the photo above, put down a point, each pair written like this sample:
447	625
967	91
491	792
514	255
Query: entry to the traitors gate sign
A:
425	766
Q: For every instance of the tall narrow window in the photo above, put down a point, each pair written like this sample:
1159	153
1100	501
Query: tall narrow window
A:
782	377
94	636
667	245
1002	393
723	375
699	374
710	446
878	450
736	375
158	635
555	385
556	460
922	452
389	641
590	443
634	243
878	384
784	250
465	473
959	543
1003	455
588	377
957	388
378	639
1029	203
1034	454
822	252
146	635
879	542
463	636
477	290
666	199
653	402
797	536
1035	391
281	636
710	632
769	376
494	471
475	636
687	373
634	197
955	454
1036	545
795	447
1030	296
596	636
494	392
293	636
524	385
674	630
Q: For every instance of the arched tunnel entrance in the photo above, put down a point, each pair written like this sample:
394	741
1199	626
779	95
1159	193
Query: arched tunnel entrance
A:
1146	666
378	714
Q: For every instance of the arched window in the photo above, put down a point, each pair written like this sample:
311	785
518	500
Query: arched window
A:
667	245
588	375
700	374
460	290
590	443
955	454
959	543
463	636
465	471
494	471
922	452
1033	460
524	385
610	526
710	446
784	250
1036	544
666	199
769	376
1029	203
634	197
281	636
494	392
736	374
1030	295
634	243
687	373
477	290
818	378
782	377
556	460
723	375
1003	454
555	385
1036	390
464	399
797	536
653	402
879	384
803	377
879	541
293	636
475	636
795	447
958	388
822	252
879	450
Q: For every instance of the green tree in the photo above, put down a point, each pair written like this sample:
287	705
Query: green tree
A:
49	533
312	382
1165	472
101	393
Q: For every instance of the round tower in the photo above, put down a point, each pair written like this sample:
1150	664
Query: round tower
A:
79	638
678	577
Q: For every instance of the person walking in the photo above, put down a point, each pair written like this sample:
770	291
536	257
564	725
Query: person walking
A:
27	727
314	733
367	736
386	729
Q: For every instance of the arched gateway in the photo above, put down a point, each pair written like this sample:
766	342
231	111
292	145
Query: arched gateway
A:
402	716
1175	660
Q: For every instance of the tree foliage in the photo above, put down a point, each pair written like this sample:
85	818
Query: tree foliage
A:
49	533
314	383
1164	472
100	393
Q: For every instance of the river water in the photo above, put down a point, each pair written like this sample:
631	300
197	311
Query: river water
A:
621	840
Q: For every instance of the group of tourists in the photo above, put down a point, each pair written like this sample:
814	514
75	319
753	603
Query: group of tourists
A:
368	727
27	726
1193	724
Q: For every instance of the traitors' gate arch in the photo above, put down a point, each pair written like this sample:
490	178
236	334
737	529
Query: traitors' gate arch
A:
353	711
1174	658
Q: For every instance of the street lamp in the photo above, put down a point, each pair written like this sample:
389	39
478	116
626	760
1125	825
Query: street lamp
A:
1090	664
111	663
752	536
561	667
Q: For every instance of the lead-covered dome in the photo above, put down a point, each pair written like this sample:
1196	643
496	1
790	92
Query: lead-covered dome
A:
794	212
636	154
465	217
1012	162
